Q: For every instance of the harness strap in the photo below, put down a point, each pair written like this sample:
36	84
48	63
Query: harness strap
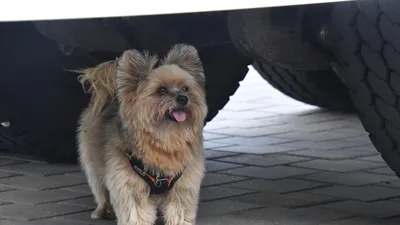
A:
157	184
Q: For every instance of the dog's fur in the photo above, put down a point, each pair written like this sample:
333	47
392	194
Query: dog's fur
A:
127	112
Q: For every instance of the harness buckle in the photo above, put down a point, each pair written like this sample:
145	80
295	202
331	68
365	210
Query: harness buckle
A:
159	182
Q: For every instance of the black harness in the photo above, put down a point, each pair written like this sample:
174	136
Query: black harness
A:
157	184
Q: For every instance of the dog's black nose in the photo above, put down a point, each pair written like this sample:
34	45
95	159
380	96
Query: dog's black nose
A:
182	100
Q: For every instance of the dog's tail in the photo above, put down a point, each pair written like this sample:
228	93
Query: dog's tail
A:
101	84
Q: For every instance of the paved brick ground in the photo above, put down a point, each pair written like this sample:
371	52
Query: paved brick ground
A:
271	160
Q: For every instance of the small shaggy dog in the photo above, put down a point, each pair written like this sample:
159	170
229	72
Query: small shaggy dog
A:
140	139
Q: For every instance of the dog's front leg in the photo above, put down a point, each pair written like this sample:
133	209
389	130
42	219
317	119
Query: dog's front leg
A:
132	209
180	207
129	194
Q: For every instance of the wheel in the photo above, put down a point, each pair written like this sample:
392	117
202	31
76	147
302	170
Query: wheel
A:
42	101
318	88
367	49
224	68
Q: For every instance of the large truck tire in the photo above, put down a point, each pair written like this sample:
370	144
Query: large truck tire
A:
368	53
40	99
224	68
319	88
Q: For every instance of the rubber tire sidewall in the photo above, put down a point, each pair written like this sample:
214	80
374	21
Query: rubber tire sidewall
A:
368	63
39	96
319	88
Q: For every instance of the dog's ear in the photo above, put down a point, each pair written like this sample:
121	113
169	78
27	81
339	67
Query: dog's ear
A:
186	57
133	67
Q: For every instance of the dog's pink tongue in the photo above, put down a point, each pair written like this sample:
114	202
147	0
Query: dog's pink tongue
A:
180	116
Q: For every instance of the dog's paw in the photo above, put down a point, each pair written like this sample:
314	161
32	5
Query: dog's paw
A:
99	213
103	213
110	214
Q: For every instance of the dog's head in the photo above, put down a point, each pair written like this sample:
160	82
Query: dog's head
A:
170	95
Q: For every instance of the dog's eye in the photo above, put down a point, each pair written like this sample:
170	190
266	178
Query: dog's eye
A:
162	90
185	89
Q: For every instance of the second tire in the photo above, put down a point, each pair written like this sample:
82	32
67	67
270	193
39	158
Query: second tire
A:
319	88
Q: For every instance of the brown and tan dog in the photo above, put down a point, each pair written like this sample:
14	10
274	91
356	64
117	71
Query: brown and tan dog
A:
142	135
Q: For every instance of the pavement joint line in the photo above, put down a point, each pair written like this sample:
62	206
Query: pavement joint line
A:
61	201
63	214
231	196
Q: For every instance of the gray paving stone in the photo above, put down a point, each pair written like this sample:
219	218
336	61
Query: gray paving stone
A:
315	117
242	106
267	122
349	179
276	172
213	166
80	188
263	160
5	188
38	197
269	149
10	222
209	145
79	175
212	179
87	202
223	206
218	124
373	158
277	216
39	168
370	149
84	218
6	162
20	157
292	200
210	154
346	165
250	132
243	115
383	170
254	141
364	193
288	109
25	212
337	154
310	136
39	222
346	133
360	221
216	192
391	184
382	209
312	199
213	136
58	222
7	175
363	139
34	182
233	219
323	145
320	127
276	186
